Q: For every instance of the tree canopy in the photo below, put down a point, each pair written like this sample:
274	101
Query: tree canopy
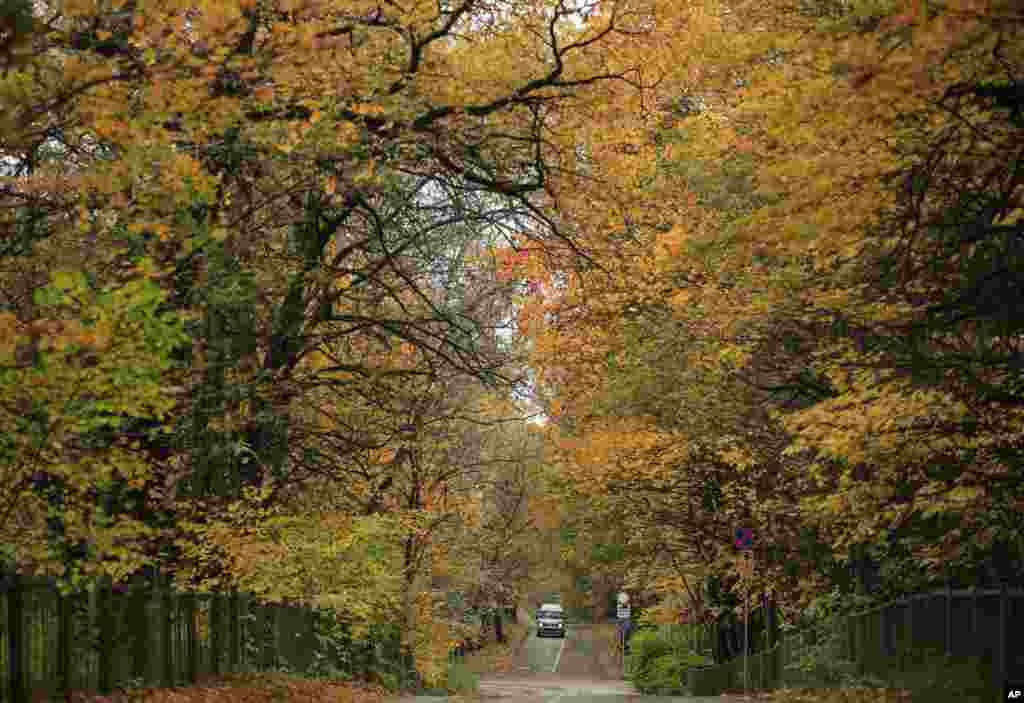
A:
809	328
353	303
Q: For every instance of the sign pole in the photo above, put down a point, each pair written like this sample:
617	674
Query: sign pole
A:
745	542
746	629
623	613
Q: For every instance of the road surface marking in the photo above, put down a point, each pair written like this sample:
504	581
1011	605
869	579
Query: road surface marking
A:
558	656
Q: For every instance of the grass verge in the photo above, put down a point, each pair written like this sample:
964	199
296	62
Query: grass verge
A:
464	672
498	658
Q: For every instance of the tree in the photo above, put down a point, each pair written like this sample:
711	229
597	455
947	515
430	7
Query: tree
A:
791	347
79	361
300	175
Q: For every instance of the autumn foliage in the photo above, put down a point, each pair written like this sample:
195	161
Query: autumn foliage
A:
804	319
253	689
281	282
255	333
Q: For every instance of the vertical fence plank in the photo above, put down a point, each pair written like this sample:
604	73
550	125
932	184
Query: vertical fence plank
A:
138	626
855	624
972	627
16	689
760	669
865	647
949	621
309	637
181	630
246	626
266	635
105	642
191	638
286	637
908	644
65	636
233	632
166	610
154	614
275	635
48	616
30	637
216	638
883	634
1003	643
48	620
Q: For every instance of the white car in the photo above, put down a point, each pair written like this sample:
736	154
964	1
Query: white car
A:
551	620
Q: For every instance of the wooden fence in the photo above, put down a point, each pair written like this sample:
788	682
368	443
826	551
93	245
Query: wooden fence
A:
53	644
962	644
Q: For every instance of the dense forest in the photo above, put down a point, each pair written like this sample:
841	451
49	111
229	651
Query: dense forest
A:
358	304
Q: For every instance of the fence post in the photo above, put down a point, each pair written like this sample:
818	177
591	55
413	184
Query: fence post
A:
233	632
312	643
188	600
139	624
283	637
16	639
65	636
785	658
1004	615
883	634
949	620
275	637
850	630
860	632
215	632
973	629
106	643
908	646
248	655
761	670
263	637
268	635
167	609
260	637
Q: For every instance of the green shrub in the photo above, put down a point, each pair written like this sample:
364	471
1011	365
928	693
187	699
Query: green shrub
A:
391	680
461	679
934	677
658	665
644	647
666	675
826	662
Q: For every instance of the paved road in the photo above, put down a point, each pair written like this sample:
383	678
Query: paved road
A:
578	669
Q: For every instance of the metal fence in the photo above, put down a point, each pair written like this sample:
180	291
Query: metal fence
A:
53	644
960	645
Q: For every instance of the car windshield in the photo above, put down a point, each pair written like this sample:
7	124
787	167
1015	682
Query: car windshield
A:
551	615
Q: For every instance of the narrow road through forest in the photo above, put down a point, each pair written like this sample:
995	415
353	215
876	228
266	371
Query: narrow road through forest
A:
582	668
